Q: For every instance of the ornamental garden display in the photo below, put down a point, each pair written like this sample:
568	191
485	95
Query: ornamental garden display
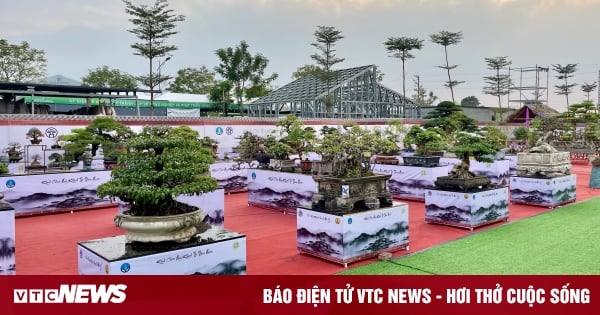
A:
34	135
464	199
161	163
352	215
389	151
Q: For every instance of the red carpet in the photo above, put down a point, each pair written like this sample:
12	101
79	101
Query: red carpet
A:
47	244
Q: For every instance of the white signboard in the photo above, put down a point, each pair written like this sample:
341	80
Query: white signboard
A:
225	254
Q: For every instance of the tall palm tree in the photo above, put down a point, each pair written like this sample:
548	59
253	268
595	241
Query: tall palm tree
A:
400	47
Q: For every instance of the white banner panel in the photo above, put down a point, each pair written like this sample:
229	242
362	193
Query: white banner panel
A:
225	254
7	242
180	112
280	190
352	237
42	193
410	182
231	176
466	209
549	192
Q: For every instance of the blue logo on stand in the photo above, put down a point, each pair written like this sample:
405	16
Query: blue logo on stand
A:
125	268
10	183
253	175
219	131
349	220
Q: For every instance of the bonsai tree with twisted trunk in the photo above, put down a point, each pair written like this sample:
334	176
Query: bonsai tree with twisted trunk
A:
161	163
471	145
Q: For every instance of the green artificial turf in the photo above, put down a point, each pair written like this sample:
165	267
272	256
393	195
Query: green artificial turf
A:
563	241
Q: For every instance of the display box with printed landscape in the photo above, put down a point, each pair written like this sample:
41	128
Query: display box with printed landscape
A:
410	182
352	236
281	191
466	209
546	192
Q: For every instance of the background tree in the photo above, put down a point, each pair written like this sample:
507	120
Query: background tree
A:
152	26
588	88
470	101
564	73
326	37
193	81
21	63
498	84
109	78
306	70
242	69
421	96
220	93
400	47
446	39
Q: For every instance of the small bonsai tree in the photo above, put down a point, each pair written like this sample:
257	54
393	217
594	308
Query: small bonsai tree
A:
425	140
56	160
159	165
301	139
14	151
102	131
280	150
34	134
470	145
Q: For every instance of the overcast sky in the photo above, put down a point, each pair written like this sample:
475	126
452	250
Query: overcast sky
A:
79	35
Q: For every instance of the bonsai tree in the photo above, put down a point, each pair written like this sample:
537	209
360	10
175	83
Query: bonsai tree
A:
211	144
159	165
280	150
295	135
3	168
35	135
249	146
425	140
102	131
470	145
56	160
14	151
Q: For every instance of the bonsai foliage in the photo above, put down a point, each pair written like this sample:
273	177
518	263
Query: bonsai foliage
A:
472	145
280	150
3	168
301	139
425	140
248	146
495	137
450	117
159	165
102	131
34	133
349	149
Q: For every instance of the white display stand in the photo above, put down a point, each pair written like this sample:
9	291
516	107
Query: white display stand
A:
546	192
225	253
7	242
231	176
57	192
352	237
497	171
410	182
466	210
280	191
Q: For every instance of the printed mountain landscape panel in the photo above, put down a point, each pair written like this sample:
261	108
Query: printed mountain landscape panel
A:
547	192
280	191
352	237
223	254
46	193
212	203
467	210
7	242
231	176
410	182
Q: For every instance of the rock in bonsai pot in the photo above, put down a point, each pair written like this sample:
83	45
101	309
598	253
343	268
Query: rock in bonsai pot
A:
160	164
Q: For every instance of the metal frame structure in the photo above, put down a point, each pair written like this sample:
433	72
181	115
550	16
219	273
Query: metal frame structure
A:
537	88
355	93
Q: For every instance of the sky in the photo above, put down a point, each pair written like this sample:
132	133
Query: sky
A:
80	35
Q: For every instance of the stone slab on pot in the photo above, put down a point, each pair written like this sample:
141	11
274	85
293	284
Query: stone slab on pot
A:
545	192
214	252
348	238
466	210
552	164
